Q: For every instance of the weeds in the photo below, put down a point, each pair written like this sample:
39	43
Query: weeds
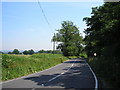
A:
14	66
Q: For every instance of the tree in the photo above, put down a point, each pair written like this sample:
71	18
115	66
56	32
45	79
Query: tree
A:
103	38
41	51
69	38
31	52
15	51
10	53
103	28
25	52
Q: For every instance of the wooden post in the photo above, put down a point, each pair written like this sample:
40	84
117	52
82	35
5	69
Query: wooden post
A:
54	44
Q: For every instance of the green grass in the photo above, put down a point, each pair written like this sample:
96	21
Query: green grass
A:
72	57
14	66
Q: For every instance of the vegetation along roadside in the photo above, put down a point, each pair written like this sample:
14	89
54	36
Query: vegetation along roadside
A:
14	66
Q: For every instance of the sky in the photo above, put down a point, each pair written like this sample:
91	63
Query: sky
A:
24	26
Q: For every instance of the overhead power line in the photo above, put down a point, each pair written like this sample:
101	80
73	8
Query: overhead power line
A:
47	23
44	15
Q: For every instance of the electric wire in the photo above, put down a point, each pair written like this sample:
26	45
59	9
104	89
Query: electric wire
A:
44	15
47	23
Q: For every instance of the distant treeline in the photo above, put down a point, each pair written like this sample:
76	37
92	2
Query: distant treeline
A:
31	51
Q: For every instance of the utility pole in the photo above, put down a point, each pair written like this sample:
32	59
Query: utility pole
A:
54	44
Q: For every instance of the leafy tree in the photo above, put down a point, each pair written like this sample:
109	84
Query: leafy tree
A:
41	51
25	52
31	52
69	38
10	53
102	37
15	51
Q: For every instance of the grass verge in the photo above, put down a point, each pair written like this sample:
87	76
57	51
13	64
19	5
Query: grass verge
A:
14	66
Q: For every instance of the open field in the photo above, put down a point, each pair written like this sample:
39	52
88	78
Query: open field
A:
14	66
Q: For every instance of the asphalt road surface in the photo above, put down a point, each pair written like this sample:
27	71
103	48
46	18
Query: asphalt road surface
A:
74	73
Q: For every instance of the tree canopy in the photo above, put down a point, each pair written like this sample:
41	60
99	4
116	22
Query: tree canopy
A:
69	38
15	51
103	38
30	52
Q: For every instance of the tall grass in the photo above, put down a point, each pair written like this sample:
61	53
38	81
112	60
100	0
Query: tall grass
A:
14	66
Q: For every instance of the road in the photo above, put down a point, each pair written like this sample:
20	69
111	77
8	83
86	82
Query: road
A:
74	73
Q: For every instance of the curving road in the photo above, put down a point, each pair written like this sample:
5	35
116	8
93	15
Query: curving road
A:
74	73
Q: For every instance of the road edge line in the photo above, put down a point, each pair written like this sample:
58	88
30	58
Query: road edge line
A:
96	80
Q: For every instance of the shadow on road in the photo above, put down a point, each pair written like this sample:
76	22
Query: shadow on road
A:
77	77
73	61
76	60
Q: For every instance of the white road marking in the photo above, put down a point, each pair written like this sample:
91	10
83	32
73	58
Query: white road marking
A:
61	73
33	88
96	81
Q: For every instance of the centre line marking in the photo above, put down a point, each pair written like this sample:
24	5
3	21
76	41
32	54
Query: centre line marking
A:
62	73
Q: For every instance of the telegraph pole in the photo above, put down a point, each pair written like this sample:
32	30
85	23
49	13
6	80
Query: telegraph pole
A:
54	44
